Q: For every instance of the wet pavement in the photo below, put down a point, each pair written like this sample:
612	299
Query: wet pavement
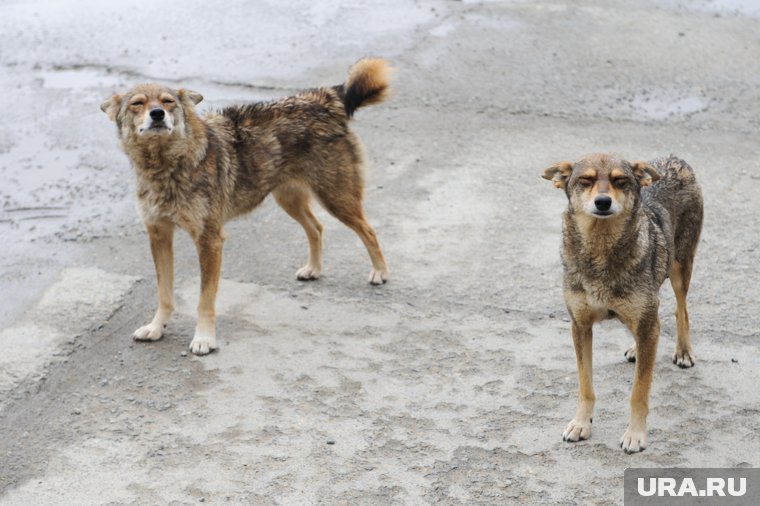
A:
452	383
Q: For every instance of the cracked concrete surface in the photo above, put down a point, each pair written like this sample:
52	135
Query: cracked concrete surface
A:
452	383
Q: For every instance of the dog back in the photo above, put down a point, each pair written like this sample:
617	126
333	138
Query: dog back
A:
678	193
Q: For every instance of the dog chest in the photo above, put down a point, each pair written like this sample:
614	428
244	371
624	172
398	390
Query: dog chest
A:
168	202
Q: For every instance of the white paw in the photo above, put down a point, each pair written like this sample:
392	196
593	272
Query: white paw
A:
630	354
577	431
203	343
634	440
378	277
684	359
308	273
150	332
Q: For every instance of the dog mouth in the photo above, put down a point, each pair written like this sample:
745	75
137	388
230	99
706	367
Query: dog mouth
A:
156	128
602	214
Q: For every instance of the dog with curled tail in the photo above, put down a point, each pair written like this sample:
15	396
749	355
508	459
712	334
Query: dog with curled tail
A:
197	172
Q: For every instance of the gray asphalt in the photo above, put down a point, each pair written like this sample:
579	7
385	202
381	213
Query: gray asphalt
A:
452	383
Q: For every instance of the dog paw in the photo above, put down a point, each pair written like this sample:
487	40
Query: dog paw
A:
630	354
577	431
203	343
633	440
150	332
308	273
378	277
683	359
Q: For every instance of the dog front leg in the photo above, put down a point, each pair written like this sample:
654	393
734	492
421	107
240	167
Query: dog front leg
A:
161	238
647	333
209	245
580	426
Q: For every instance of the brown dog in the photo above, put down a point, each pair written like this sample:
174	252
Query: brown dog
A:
198	172
628	226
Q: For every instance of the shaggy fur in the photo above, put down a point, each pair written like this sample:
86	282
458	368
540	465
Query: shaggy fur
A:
627	228
198	172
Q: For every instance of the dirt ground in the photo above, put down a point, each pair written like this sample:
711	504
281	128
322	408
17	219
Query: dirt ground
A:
452	383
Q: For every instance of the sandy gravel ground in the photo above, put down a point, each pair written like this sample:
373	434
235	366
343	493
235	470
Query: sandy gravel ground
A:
452	383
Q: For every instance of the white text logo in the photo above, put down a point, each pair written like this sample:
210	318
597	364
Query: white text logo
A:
687	488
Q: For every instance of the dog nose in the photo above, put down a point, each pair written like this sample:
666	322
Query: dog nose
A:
603	203
157	114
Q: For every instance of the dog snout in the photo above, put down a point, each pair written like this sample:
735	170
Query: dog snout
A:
603	203
157	114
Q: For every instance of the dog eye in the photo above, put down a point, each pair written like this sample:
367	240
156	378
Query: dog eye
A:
620	182
585	181
137	103
168	101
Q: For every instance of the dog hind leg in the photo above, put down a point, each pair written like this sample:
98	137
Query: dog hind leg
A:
347	207
161	237
294	199
680	278
630	353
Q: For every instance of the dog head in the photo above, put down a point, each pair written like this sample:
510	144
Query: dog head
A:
151	111
602	186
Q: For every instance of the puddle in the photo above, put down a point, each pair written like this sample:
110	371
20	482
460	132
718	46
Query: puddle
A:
50	190
740	7
80	78
750	7
746	7
444	29
34	198
663	108
660	104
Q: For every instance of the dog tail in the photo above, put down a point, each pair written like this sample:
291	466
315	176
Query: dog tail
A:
367	84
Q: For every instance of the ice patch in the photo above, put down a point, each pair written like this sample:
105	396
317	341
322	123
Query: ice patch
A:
80	298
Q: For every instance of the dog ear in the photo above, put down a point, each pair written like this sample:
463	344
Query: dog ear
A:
192	96
645	173
111	107
558	174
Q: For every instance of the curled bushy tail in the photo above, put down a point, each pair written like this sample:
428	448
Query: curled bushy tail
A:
367	84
